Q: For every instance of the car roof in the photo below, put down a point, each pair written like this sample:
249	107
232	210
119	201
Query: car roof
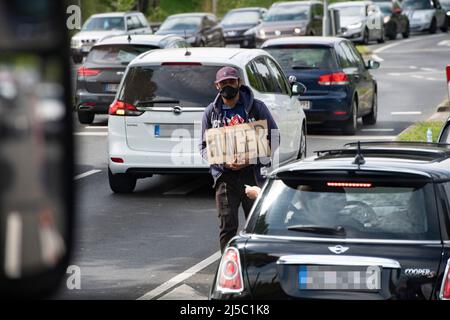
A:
431	160
329	41
214	56
350	3
199	14
295	2
137	39
113	14
248	9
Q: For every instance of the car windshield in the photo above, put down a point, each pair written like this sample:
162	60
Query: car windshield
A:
417	4
116	54
303	57
241	17
445	4
191	85
382	211
104	24
445	137
181	23
386	8
351	11
288	13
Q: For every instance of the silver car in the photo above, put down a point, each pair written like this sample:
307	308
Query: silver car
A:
425	15
361	21
100	26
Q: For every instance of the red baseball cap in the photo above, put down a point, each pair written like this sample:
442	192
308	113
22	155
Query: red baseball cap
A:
226	73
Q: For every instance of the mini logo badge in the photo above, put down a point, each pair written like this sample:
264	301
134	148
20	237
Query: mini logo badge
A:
338	249
177	110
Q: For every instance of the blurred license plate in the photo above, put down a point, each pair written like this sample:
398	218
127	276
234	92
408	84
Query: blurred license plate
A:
339	278
111	87
306	105
233	45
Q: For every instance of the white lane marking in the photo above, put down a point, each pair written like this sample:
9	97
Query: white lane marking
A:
377	130
86	174
416	76
13	254
181	277
413	67
377	58
183	292
93	134
186	189
352	137
406	113
429	69
444	43
383	48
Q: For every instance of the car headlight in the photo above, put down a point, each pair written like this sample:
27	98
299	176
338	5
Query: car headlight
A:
355	25
297	30
448	13
387	19
262	33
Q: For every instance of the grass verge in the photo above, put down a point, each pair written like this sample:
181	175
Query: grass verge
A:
418	131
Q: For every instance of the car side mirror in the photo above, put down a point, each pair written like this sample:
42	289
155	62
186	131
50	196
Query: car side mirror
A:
371	64
297	88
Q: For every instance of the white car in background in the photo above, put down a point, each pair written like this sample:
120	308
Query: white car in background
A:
100	26
154	125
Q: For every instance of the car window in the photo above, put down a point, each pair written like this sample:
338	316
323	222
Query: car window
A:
104	24
177	23
238	17
254	78
356	55
382	211
116	54
303	57
192	86
445	136
143	20
137	22
350	56
447	192
269	83
344	61
131	23
351	11
417	4
278	77
288	12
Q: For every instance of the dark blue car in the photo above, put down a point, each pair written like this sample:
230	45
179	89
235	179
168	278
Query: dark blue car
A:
340	88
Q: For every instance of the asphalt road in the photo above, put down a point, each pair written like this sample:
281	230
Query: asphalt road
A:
161	241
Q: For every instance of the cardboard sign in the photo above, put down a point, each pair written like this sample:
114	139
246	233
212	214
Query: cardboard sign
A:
243	143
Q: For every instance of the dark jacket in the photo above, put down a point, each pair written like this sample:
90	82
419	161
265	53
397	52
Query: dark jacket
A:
255	110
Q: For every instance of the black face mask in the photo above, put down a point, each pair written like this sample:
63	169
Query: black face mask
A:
229	92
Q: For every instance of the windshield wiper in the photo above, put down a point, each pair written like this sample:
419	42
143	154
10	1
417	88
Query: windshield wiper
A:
333	231
158	101
303	67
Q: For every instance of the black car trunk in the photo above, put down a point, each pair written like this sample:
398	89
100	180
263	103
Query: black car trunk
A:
276	269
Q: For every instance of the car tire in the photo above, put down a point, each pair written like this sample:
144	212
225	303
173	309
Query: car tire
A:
303	148
77	58
350	125
85	117
393	34
371	118
433	26
444	28
365	36
406	33
121	182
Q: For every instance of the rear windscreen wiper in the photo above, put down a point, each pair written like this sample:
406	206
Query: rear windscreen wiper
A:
303	67
334	231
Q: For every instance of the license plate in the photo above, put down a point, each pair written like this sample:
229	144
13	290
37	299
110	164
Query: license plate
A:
339	278
233	45
111	87
306	105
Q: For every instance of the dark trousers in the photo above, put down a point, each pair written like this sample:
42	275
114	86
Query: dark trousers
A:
230	193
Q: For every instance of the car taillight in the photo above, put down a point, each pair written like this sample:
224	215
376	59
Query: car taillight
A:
349	184
85	72
120	108
230	272
338	78
445	289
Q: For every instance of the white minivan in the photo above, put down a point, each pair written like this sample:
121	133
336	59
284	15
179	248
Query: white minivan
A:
155	121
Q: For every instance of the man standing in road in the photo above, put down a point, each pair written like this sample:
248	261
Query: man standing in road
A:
234	105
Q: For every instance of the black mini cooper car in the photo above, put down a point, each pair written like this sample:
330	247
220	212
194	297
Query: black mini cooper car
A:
369	221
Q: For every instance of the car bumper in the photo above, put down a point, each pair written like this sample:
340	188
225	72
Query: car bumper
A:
93	102
242	41
353	34
323	108
419	26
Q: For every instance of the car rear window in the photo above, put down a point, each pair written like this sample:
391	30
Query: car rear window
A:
189	85
292	57
385	210
116	54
